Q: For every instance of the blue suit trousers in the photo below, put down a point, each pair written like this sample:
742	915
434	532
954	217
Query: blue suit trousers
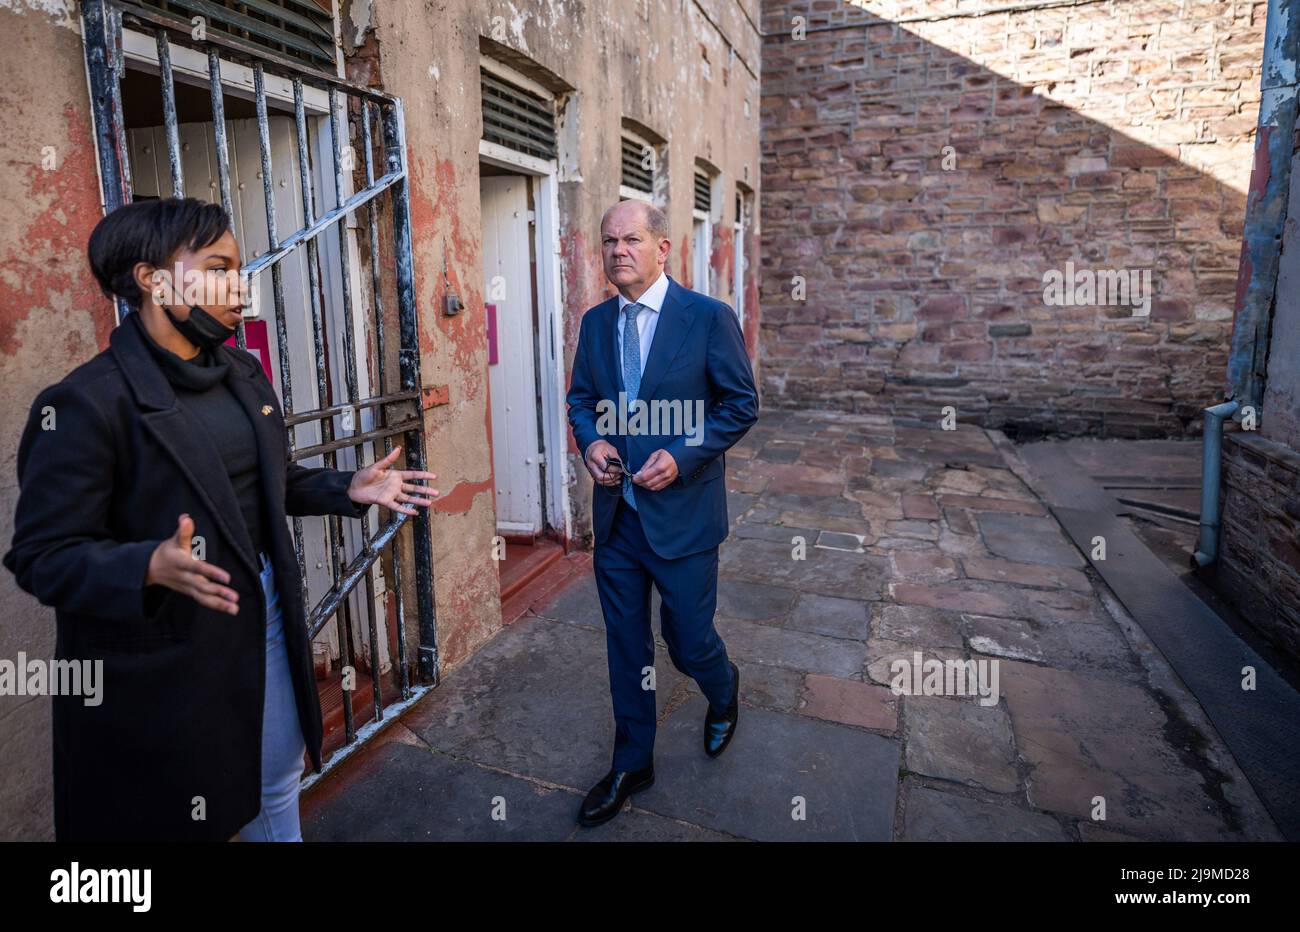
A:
625	567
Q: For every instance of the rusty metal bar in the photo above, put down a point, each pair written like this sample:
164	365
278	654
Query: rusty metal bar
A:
374	401
169	114
338	132
409	364
377	293
331	446
219	131
313	270
277	287
103	39
102	32
217	96
360	564
323	223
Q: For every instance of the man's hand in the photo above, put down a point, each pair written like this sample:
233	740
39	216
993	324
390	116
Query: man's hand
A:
392	488
173	565
597	460
658	471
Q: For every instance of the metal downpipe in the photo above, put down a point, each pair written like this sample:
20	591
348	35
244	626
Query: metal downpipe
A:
1207	546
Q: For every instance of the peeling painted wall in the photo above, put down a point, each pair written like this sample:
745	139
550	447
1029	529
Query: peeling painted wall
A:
52	318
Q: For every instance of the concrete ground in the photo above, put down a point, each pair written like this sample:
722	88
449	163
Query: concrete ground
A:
1156	490
915	540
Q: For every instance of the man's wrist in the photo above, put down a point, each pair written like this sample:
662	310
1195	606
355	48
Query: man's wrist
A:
678	450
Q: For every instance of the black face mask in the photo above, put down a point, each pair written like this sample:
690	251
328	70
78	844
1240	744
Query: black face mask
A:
201	328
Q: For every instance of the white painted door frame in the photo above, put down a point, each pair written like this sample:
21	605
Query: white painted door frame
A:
508	276
738	273
701	251
550	325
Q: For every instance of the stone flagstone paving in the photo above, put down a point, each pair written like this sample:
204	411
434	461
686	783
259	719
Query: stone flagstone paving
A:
914	539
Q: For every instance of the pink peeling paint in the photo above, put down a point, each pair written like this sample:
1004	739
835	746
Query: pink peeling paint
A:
45	271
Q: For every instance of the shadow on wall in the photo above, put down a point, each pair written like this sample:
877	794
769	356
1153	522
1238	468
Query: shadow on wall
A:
921	197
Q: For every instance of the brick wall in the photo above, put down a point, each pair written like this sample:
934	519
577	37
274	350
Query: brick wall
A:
1112	135
1259	548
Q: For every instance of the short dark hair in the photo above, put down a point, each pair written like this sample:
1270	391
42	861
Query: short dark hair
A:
149	231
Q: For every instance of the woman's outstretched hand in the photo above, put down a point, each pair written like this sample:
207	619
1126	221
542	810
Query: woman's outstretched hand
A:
377	484
174	565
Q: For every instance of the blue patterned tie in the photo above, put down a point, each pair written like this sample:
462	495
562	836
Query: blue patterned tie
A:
631	379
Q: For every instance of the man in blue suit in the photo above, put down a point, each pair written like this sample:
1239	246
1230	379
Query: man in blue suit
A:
661	388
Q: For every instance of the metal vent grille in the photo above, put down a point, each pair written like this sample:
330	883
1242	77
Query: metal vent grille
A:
298	30
516	119
635	175
703	192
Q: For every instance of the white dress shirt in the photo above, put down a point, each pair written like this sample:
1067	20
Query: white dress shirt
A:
646	319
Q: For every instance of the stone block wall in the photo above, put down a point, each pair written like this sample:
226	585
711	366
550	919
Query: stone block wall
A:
1259	546
925	165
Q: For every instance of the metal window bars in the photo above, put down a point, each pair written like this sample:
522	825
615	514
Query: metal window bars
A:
395	410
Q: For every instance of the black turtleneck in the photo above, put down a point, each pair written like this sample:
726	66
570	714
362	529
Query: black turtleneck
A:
202	393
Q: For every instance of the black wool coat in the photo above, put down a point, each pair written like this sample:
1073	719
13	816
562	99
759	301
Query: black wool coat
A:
173	750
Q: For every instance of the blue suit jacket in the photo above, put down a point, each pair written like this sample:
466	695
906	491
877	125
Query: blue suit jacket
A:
698	355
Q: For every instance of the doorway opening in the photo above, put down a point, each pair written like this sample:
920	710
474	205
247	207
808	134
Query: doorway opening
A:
703	215
518	157
509	272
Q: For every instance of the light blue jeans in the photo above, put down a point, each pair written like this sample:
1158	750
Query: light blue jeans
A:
283	746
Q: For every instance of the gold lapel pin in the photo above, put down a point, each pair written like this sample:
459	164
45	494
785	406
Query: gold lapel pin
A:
266	409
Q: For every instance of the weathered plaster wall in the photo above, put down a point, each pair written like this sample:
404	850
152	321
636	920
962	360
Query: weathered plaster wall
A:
402	52
52	318
605	61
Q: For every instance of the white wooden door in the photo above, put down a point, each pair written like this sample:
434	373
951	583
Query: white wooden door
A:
701	249
507	273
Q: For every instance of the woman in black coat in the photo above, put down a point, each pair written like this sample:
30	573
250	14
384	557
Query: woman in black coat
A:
154	484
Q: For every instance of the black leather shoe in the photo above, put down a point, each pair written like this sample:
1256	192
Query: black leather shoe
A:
606	797
718	729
